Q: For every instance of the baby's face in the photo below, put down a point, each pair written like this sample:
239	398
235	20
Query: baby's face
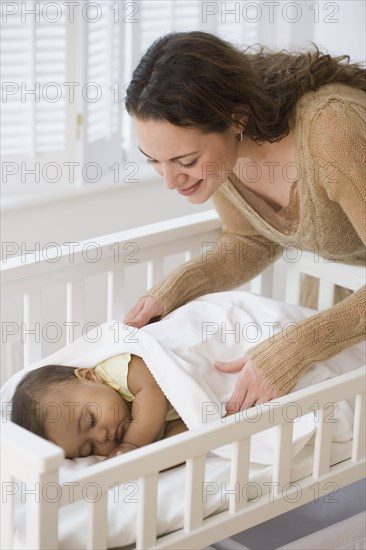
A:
86	417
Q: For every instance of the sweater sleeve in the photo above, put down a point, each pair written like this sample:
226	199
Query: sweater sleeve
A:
337	142
239	255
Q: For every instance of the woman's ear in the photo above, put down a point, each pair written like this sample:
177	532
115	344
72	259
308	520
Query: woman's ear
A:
87	374
239	121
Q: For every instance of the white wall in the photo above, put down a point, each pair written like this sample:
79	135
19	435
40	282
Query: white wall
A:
337	27
88	213
341	29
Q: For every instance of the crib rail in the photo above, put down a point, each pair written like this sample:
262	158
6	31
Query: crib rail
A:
192	447
31	272
295	263
29	275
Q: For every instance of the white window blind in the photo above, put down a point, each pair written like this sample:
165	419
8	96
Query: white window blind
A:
33	69
65	68
102	63
232	20
161	17
60	104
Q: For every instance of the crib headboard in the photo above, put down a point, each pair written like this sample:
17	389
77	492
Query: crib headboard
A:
27	278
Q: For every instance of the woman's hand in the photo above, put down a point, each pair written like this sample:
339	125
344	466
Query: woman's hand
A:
143	311
251	386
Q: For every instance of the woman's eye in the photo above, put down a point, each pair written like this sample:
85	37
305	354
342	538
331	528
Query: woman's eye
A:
92	420
151	161
189	165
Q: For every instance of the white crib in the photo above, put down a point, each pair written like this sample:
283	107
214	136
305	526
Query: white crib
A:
35	461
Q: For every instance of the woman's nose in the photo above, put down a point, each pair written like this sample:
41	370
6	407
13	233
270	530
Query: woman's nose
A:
173	177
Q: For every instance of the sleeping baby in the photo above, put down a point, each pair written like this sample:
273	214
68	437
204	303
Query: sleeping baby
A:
107	410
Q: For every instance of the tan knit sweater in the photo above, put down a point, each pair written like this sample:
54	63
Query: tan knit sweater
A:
326	215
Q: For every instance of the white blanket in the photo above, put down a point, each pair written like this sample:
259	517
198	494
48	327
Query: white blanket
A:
180	351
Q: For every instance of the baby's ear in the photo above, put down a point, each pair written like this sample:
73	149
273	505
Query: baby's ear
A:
87	374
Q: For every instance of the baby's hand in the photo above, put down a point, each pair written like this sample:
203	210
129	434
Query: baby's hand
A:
121	449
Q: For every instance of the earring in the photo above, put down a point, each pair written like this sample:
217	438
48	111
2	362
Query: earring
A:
240	136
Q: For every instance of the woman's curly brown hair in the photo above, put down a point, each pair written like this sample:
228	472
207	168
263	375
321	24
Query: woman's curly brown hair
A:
195	79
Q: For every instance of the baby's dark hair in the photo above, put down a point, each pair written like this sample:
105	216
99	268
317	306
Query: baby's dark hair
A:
32	389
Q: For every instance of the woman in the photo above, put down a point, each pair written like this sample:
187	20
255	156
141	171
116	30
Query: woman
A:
277	141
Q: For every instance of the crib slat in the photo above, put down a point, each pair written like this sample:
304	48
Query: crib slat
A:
116	295
74	309
293	285
32	333
42	513
155	272
267	281
193	506
239	474
255	285
147	512
279	280
326	294
262	284
359	443
9	488
282	457
322	445
97	522
193	253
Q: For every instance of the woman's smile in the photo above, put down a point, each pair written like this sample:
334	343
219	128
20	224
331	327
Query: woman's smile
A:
191	189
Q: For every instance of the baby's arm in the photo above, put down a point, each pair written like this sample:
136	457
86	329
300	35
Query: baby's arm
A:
149	407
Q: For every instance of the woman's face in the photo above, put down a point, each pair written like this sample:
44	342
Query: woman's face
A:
192	163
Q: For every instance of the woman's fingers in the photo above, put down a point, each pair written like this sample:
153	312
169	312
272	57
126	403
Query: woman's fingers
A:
133	314
251	387
235	403
141	313
230	366
140	319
